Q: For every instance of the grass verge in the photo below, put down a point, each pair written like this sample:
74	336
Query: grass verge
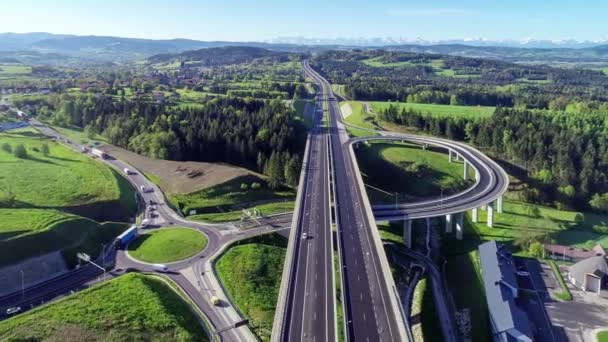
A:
167	245
250	271
564	294
438	110
130	308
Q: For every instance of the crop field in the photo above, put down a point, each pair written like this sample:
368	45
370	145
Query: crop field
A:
14	70
167	245
62	178
251	273
408	170
234	195
130	308
438	110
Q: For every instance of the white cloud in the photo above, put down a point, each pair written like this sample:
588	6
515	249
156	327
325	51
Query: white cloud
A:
428	12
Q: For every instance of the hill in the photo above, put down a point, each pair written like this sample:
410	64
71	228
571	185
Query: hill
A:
108	312
222	55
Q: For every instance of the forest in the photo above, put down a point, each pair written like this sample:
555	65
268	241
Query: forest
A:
566	154
262	135
378	75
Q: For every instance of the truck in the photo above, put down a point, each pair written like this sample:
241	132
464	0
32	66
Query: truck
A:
144	223
160	268
97	152
215	301
127	236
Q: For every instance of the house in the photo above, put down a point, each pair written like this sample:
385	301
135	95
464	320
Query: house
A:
508	321
590	275
567	253
158	96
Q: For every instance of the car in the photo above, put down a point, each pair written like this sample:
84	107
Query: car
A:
304	236
13	310
523	273
215	301
144	223
160	268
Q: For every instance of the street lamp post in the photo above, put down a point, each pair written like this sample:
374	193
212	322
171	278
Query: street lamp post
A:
22	285
396	200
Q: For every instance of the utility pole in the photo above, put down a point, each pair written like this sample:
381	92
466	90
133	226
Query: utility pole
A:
22	285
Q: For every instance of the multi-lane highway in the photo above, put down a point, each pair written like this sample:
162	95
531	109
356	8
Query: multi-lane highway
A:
372	307
309	313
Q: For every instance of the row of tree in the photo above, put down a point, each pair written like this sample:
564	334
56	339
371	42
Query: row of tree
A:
566	154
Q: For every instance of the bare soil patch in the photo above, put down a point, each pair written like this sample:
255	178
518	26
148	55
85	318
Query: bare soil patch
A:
176	176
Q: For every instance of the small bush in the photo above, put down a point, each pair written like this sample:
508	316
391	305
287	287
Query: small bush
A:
20	151
35	149
6	147
256	186
600	229
45	149
244	186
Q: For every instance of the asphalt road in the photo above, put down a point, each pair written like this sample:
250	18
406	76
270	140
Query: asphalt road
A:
310	306
223	317
368	311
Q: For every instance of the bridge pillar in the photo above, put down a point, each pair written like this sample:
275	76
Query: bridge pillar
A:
448	223
490	208
450	156
475	215
425	146
407	233
499	204
466	170
459	225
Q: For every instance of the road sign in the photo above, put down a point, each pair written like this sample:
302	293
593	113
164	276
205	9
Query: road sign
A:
84	257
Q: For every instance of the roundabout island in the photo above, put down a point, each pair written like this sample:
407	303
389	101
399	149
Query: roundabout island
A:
167	245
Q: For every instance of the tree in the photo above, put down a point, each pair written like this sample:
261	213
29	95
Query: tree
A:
90	131
599	202
20	151
45	149
536	250
275	171
292	171
6	147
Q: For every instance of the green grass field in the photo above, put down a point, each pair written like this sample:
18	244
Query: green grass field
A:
602	336
408	170
63	178
354	114
6	69
438	110
25	233
78	135
228	197
130	308
251	273
230	216
167	245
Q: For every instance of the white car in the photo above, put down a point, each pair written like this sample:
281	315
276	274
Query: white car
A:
304	236
523	273
13	311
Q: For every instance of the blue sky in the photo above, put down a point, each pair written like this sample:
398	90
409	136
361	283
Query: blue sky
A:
248	20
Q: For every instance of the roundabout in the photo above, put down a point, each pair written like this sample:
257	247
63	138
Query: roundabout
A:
167	245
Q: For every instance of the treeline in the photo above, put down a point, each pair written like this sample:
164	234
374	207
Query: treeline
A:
261	135
431	79
567	155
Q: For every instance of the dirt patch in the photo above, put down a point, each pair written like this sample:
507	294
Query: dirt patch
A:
179	177
346	110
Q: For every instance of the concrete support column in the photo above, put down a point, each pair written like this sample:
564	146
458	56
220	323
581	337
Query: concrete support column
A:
490	209
466	170
499	204
425	146
407	233
459	225
475	215
450	157
448	223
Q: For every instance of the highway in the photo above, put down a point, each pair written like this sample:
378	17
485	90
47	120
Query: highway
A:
194	275
309	313
372	307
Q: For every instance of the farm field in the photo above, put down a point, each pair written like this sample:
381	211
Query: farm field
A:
108	312
437	110
408	170
60	179
173	176
231	196
251	273
167	245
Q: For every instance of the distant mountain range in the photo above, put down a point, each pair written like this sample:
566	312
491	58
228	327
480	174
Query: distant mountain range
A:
47	48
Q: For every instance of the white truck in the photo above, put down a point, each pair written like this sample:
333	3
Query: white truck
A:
97	152
144	223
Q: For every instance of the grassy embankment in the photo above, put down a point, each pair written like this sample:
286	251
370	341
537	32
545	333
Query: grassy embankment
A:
437	110
602	336
130	308
167	245
224	202
35	189
564	294
78	135
250	271
408	170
